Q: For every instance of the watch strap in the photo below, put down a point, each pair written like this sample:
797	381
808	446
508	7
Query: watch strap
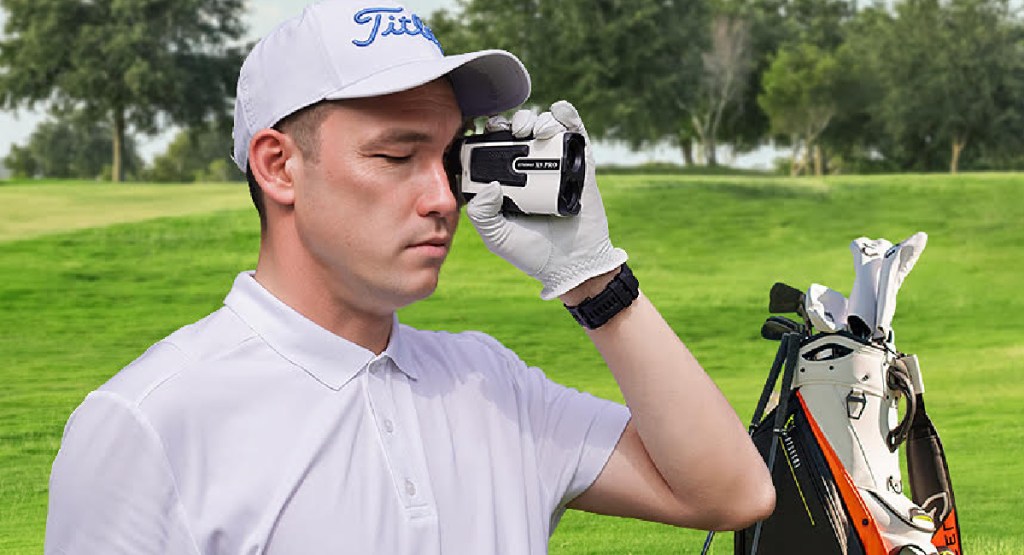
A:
620	292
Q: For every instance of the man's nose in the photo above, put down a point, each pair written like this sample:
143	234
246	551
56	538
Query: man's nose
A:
438	196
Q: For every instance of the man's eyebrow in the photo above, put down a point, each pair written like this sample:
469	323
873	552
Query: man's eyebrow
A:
410	136
397	136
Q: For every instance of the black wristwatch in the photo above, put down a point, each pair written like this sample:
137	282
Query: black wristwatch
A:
595	312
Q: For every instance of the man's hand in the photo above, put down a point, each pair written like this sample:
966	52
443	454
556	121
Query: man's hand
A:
560	252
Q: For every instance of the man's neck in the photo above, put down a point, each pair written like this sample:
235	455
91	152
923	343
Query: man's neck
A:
309	293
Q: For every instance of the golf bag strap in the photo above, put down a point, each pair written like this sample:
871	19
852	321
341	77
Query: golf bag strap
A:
927	469
898	379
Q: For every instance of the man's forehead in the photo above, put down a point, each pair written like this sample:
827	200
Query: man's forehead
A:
411	135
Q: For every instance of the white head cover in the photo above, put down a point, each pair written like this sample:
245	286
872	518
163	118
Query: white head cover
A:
898	262
826	308
867	265
360	48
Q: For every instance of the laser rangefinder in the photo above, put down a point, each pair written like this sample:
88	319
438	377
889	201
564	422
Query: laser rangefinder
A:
537	176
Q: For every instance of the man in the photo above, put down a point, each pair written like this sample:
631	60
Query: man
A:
302	418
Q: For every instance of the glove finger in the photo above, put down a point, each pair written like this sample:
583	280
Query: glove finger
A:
484	209
497	123
566	114
547	126
524	248
522	123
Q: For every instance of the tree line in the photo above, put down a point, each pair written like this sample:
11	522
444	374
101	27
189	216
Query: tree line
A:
913	85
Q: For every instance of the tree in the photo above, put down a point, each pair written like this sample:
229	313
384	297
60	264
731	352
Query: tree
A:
773	24
853	137
802	90
71	145
127	62
819	22
197	153
951	76
629	66
726	66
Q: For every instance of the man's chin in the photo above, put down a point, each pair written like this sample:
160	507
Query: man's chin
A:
420	291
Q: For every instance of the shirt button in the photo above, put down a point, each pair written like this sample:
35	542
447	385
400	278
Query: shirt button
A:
410	488
388	426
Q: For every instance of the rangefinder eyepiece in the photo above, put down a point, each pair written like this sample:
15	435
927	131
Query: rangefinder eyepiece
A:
537	176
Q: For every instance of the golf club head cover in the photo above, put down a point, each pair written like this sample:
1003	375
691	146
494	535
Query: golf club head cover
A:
867	264
560	252
896	264
826	308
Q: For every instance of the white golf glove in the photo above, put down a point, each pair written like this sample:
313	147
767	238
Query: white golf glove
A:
560	252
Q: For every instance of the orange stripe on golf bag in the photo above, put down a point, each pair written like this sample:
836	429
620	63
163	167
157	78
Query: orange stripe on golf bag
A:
862	520
947	536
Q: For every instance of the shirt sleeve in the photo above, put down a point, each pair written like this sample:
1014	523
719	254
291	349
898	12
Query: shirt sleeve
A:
111	487
573	432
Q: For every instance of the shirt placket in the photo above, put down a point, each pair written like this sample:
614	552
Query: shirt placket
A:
398	437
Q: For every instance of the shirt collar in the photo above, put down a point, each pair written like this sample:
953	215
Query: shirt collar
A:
330	359
399	349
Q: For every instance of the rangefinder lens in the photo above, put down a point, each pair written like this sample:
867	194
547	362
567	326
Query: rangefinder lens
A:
574	170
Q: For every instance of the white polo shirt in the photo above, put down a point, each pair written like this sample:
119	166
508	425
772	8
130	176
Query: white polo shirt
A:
256	431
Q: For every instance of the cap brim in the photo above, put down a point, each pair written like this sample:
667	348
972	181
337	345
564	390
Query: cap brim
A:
485	82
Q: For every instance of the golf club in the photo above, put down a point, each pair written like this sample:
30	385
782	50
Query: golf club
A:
783	299
776	326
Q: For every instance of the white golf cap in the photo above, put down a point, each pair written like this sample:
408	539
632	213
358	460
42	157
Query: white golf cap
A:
361	48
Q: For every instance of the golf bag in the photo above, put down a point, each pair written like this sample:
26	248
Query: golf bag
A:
832	443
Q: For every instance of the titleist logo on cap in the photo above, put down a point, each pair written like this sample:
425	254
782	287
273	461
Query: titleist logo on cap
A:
403	25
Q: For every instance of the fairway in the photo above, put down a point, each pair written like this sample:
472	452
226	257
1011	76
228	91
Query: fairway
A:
91	275
40	209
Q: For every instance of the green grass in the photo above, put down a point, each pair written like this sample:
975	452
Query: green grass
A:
77	305
31	208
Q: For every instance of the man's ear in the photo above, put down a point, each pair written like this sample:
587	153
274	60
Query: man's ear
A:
272	157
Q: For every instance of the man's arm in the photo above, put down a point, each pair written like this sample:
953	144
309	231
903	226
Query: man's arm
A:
684	458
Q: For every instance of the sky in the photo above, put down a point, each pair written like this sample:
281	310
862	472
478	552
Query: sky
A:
264	15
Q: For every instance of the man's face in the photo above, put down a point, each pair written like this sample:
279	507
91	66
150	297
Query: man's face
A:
376	213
